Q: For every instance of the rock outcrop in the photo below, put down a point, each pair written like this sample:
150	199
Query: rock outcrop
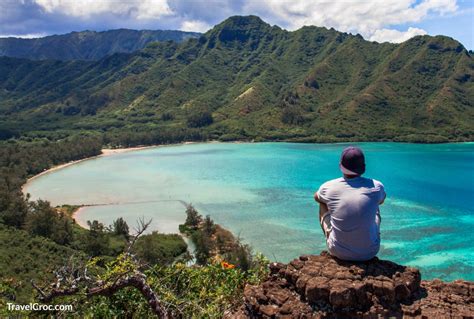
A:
325	287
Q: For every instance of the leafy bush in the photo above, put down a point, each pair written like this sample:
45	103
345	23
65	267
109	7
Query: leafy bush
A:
43	220
292	115
121	227
167	116
199	119
188	292
96	239
193	219
161	249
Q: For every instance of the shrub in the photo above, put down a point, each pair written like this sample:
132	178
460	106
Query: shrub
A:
167	116
43	220
121	227
159	249
193	219
292	115
199	119
96	240
188	292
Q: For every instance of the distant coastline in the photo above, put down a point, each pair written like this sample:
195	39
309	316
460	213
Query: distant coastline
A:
104	153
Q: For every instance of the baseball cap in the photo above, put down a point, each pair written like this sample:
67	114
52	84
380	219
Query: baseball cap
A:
352	161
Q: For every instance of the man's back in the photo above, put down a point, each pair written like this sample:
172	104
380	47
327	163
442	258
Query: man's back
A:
353	205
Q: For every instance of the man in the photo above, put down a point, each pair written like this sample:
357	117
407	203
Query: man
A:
349	210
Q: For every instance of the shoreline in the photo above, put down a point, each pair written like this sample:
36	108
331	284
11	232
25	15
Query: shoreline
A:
105	152
75	214
112	151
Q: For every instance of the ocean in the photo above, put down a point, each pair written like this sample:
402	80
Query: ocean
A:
263	192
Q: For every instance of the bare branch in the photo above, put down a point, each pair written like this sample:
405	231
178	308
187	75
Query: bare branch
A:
43	295
71	275
142	226
137	281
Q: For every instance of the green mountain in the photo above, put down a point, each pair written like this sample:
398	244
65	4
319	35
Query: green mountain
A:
245	79
87	45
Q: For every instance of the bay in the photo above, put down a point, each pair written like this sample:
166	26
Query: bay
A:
263	192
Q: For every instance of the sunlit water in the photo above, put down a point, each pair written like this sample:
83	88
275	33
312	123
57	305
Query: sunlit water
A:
264	193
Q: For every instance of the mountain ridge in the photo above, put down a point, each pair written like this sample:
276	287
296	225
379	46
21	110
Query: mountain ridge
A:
87	44
312	84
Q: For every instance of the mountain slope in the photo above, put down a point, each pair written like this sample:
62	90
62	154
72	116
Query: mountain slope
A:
245	79
87	45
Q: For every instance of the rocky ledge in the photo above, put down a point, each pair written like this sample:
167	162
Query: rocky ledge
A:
326	287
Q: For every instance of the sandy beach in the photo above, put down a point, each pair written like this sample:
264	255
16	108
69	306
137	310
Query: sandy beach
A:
104	152
77	220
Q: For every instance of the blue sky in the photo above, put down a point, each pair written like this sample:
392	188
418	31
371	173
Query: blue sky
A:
376	20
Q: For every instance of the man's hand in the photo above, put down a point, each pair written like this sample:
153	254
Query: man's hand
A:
316	198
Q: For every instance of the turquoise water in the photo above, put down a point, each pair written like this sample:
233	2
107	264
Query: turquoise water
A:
263	192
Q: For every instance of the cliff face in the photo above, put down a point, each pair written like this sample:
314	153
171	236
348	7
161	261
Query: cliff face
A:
325	287
254	80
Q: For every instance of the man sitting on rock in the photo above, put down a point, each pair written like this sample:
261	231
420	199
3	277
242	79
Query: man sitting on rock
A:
349	210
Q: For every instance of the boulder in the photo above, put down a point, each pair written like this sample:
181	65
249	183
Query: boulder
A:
325	287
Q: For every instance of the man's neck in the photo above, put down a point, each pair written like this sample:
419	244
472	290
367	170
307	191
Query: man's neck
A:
350	176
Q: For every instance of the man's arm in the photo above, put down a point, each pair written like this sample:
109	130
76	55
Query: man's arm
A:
383	199
323	209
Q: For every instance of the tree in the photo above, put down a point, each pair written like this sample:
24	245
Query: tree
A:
292	115
13	208
44	220
96	239
193	219
121	228
203	247
199	119
209	227
241	256
161	249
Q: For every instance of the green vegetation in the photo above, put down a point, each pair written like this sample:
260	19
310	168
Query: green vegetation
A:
43	245
121	228
187	292
23	258
87	45
242	80
160	249
213	242
43	220
190	292
247	80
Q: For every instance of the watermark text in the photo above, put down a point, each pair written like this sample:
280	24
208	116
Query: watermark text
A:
38	307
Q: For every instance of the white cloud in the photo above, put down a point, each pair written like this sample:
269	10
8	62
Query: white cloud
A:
395	36
139	9
195	25
364	17
373	19
24	36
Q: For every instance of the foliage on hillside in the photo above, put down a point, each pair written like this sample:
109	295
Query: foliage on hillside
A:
23	258
43	244
214	243
185	292
245	79
87	45
160	249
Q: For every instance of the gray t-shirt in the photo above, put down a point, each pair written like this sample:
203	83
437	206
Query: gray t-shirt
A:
353	205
